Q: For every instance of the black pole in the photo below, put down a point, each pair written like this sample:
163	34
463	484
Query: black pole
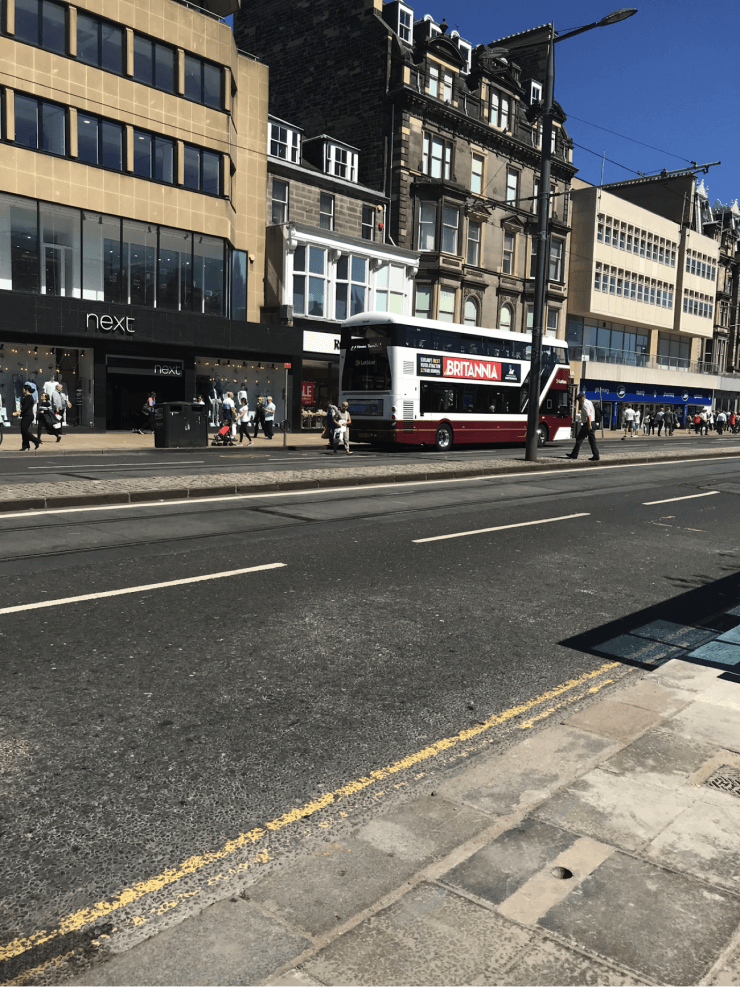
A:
543	228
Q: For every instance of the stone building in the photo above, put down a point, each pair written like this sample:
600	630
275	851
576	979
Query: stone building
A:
446	130
132	204
724	225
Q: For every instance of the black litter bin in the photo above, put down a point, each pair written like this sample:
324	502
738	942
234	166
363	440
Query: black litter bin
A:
180	424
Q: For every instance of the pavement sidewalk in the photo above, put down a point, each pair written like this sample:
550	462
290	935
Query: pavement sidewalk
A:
602	849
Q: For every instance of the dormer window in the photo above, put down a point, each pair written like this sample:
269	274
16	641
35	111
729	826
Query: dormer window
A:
405	23
535	92
466	50
499	109
340	162
285	143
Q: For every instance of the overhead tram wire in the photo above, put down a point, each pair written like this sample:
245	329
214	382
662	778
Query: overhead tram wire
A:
625	137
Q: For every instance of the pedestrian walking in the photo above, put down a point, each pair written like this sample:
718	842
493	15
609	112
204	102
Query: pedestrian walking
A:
25	412
332	414
704	423
46	419
242	418
636	423
228	413
269	421
60	402
259	415
343	422
587	414
670	421
147	414
660	420
628	420
721	422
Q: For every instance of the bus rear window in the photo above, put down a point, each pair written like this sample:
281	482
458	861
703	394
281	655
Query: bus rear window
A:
366	363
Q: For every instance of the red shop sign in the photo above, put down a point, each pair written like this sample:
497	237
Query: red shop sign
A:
308	389
465	369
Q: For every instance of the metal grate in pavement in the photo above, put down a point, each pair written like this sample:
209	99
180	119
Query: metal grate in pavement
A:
726	778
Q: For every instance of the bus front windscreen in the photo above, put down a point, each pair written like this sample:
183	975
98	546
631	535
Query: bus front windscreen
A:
367	365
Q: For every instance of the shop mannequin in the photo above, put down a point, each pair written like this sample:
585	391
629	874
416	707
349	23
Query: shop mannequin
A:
50	386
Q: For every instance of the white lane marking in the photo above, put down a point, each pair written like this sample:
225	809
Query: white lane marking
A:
508	477
141	589
501	527
671	500
118	466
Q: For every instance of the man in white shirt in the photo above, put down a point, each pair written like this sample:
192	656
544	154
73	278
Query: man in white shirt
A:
628	418
269	417
587	414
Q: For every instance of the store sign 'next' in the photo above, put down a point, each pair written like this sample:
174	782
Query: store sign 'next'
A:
111	323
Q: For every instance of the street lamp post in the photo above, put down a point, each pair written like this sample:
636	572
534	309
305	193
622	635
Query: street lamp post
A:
543	226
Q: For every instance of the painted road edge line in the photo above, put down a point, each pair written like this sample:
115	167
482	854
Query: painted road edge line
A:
87	916
140	589
501	527
671	500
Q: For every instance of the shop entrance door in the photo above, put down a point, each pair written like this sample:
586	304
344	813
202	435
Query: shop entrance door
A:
125	395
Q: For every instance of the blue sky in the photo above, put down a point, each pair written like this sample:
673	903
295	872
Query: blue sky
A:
667	77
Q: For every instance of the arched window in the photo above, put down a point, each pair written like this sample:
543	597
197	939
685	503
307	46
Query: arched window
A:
504	321
471	312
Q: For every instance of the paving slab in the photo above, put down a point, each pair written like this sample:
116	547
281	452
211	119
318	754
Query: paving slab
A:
614	720
669	632
727	971
548	962
703	841
526	774
430	936
231	942
683	676
650	695
660	757
614	809
664	925
503	866
715	724
322	892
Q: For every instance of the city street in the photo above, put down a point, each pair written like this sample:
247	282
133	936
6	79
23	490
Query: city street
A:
233	661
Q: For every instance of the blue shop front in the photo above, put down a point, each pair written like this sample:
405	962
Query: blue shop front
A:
613	396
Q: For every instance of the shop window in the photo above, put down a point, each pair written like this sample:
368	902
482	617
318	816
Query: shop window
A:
309	281
154	157
447	304
99	43
368	223
390	289
423	301
42	23
175	270
99	142
138	263
202	170
351	286
208	275
101	257
471	312
154	64
279	202
19	244
239	269
40	125
203	82
60	259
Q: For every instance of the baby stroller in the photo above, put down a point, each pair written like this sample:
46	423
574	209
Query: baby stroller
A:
223	435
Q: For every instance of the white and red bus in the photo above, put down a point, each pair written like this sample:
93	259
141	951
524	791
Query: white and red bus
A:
418	382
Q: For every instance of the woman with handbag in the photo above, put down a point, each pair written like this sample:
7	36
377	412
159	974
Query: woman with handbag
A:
46	417
147	413
26	415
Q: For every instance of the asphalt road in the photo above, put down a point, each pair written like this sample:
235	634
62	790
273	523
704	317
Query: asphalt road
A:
138	730
46	468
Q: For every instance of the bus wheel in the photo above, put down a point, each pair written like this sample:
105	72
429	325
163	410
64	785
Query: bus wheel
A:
443	439
542	435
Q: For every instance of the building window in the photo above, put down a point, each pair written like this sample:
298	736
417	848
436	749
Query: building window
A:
530	317
309	281
423	301
368	223
507	266
405	19
504	321
440	83
341	162
285	143
154	157
42	23
60	244
437	161
556	260
174	270
533	259
40	125
466	51
390	290
99	142
427	226
100	43
447	304
202	170
471	312
473	256
512	185
326	211
351	286
499	109
450	228
552	322
154	64
203	82
279	202
535	92
476	179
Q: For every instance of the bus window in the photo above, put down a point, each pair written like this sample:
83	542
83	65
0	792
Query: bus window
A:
448	342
